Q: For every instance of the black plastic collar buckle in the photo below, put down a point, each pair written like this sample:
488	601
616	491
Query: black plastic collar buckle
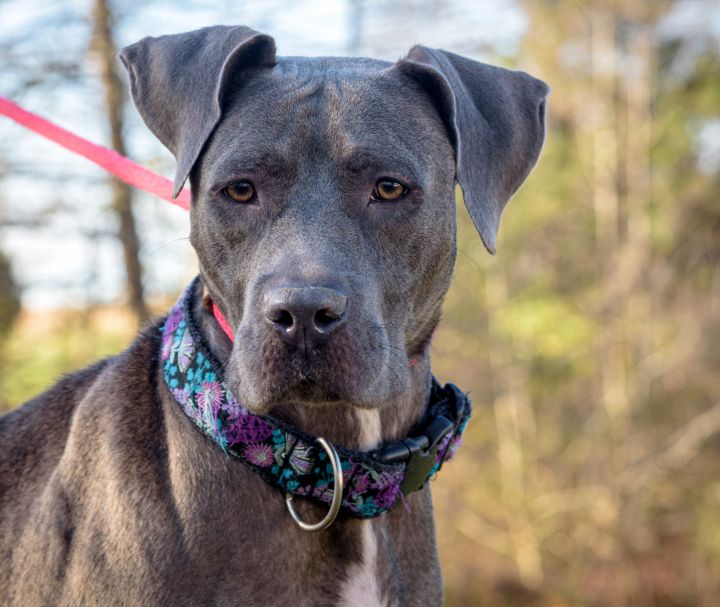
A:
419	452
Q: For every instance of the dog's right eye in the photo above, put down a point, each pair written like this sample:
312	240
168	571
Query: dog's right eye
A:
240	191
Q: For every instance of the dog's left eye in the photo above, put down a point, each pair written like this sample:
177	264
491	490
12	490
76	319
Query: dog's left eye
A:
240	191
389	190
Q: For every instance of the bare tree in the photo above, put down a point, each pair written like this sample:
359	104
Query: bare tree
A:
103	45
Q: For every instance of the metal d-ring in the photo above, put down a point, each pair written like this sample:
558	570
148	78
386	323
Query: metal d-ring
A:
337	495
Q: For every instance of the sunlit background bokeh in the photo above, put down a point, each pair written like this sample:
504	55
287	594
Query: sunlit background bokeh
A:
590	344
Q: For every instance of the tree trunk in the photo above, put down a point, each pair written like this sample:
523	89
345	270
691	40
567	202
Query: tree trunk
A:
612	355
104	46
516	436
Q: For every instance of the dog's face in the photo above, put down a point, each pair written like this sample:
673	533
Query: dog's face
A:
323	209
333	270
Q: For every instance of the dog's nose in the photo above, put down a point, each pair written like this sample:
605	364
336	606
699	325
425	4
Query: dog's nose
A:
305	316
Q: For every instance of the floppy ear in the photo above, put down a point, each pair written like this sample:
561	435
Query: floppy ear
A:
177	83
496	120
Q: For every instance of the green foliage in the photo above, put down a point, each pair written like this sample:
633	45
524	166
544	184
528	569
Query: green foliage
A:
43	347
9	297
589	343
546	324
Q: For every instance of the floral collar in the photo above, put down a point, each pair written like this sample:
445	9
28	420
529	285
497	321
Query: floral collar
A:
288	458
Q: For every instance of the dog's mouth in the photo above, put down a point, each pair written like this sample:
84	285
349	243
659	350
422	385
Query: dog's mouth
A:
298	382
309	391
306	380
354	369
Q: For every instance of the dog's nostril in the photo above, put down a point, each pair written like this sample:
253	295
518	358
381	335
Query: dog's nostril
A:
325	317
282	318
305	316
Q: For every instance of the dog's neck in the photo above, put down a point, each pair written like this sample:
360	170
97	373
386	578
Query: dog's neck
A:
350	426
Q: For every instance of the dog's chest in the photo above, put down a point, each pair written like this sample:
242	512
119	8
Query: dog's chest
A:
364	586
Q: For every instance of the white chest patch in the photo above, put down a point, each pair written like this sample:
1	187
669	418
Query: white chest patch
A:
361	588
369	426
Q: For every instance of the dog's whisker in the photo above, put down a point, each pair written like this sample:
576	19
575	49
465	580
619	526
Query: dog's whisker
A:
167	244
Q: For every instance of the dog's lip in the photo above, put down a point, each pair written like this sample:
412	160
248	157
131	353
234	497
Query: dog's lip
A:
307	391
304	393
307	394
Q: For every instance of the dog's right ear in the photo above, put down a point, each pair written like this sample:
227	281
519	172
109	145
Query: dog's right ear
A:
177	83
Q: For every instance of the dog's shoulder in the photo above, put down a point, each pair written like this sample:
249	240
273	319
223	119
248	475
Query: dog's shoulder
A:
33	437
41	425
66	458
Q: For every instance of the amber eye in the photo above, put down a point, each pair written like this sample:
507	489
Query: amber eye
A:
240	191
389	190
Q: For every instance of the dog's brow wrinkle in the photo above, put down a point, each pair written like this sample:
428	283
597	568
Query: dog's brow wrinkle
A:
308	89
236	165
360	160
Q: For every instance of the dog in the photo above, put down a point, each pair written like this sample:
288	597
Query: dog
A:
323	217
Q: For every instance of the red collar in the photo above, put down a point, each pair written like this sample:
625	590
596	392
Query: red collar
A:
222	321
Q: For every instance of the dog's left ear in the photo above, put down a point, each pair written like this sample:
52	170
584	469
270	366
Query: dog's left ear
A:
496	120
178	83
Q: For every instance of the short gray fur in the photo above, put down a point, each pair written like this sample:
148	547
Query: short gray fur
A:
107	494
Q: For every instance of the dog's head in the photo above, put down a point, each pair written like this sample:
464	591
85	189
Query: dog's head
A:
323	198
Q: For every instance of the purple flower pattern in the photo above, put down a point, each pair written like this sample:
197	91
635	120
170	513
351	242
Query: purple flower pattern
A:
259	454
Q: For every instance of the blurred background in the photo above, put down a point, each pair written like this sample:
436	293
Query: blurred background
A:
590	343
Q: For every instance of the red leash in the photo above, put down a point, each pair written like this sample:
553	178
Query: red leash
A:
123	168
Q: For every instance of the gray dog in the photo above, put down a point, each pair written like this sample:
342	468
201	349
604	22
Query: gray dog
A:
323	216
